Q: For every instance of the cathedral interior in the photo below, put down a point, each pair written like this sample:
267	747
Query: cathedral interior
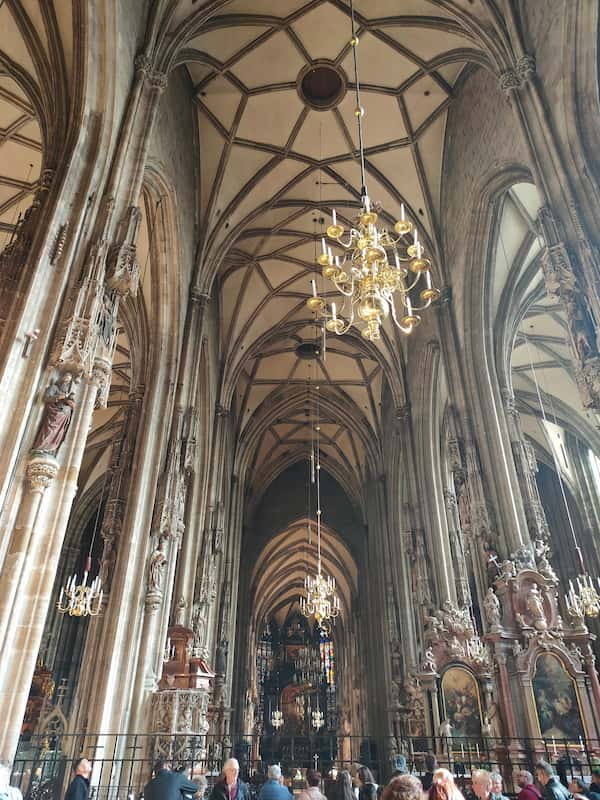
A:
265	491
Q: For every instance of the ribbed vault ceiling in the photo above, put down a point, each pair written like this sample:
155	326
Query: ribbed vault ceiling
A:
20	154
272	168
277	579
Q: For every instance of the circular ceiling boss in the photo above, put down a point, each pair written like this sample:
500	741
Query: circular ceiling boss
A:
322	84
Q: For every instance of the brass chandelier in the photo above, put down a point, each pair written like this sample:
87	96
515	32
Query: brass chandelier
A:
84	599
321	600
381	272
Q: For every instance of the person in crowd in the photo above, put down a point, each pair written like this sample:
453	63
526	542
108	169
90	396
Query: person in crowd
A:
552	788
202	784
274	789
367	788
496	787
404	787
481	785
230	787
6	790
430	767
578	788
443	786
79	788
168	785
313	787
343	786
595	784
529	791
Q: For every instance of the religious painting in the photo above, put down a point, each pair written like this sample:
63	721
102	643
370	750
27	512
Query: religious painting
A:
556	700
462	705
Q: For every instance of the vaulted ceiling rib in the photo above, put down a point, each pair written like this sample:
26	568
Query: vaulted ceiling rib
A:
272	168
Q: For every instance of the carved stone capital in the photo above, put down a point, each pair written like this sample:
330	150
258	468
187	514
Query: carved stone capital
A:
142	64
158	80
510	81
519	74
201	298
41	471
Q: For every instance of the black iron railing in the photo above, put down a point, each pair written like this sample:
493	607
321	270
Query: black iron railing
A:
122	763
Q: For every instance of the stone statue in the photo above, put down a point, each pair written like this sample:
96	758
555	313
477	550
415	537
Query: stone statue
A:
535	606
198	622
59	400
106	319
180	609
542	553
156	568
221	658
491	607
445	729
107	561
581	328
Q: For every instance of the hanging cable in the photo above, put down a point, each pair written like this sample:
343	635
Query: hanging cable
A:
557	467
358	111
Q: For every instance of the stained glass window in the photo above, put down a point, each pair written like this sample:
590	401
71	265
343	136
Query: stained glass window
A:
327	653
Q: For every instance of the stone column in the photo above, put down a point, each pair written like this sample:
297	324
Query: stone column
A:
457	548
526	466
197	449
471	465
167	532
23	611
571	261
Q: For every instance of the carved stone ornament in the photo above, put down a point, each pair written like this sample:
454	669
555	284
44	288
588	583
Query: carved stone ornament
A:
429	664
41	471
122	268
180	713
77	344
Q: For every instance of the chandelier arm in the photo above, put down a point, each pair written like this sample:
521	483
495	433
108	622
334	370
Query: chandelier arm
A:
422	308
397	322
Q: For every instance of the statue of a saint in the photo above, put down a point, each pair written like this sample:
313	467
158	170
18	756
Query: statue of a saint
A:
180	610
491	606
106	318
198	622
156	568
535	607
445	729
59	400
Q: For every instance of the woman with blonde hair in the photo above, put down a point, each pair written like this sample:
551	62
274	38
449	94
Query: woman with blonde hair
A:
443	786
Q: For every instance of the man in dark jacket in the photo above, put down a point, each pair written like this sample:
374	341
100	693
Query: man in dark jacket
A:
167	785
552	788
430	767
595	784
230	787
79	788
